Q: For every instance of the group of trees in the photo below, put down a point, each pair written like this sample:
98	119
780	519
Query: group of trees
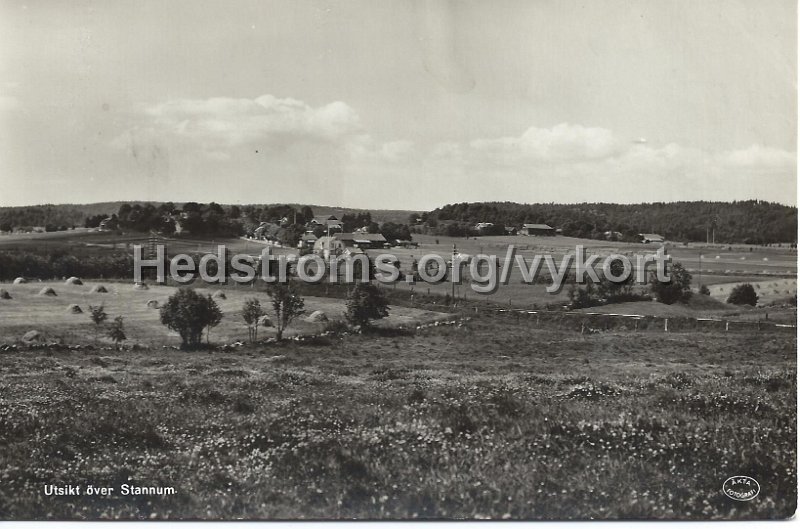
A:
51	217
677	289
751	221
191	314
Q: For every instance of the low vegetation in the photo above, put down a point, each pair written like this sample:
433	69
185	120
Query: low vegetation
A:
743	294
490	419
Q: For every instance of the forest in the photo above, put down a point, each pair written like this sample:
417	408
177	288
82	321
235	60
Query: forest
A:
750	222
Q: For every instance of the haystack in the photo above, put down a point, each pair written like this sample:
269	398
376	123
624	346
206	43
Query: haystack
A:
4	294
100	289
73	281
20	280
152	304
219	295
74	309
264	321
31	336
140	286
317	317
47	291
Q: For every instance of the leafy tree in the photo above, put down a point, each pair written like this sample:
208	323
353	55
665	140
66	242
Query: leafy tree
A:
117	331
583	297
613	291
743	294
286	303
676	289
251	313
189	314
98	316
307	213
703	290
366	302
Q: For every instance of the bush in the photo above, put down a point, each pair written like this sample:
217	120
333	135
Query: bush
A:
366	302
189	314
743	294
677	288
704	290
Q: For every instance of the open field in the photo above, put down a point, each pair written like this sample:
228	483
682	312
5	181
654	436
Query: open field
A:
718	268
488	419
27	310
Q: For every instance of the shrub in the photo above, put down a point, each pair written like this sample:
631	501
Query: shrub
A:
676	288
286	303
366	302
189	314
251	313
704	290
743	294
117	331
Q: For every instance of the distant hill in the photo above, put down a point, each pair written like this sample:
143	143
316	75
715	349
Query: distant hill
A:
58	215
752	221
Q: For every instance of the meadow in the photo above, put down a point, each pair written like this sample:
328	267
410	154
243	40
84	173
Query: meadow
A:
486	419
51	315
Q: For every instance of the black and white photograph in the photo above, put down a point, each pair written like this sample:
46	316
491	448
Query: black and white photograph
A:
398	260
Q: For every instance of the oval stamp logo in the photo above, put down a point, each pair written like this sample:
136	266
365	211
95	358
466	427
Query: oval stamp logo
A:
741	488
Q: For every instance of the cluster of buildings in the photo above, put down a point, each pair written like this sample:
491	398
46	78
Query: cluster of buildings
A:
325	236
525	229
545	230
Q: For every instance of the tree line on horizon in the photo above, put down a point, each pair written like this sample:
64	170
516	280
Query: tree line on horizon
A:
749	222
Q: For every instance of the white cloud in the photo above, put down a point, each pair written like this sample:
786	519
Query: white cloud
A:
265	119
564	142
759	157
323	153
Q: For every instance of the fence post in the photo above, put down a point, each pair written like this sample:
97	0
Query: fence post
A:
666	324
727	325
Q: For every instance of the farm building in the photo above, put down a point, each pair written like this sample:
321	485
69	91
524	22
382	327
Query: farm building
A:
329	222
405	244
650	237
537	229
307	240
341	243
483	227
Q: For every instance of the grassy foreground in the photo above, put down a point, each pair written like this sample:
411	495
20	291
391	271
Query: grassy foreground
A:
487	420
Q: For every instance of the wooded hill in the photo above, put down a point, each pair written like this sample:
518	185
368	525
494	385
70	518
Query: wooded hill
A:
751	221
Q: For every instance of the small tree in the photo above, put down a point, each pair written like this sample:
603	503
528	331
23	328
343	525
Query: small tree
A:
366	302
188	313
286	303
743	295
251	313
677	288
212	315
704	290
98	316
117	331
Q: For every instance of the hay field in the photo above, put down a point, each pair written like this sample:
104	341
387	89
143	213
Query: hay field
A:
27	310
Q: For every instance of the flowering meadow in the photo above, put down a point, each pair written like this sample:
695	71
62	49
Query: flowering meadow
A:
488	419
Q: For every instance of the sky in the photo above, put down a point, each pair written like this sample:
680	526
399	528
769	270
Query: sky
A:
398	104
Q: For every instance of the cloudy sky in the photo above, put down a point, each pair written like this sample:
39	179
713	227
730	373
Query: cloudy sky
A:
397	104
